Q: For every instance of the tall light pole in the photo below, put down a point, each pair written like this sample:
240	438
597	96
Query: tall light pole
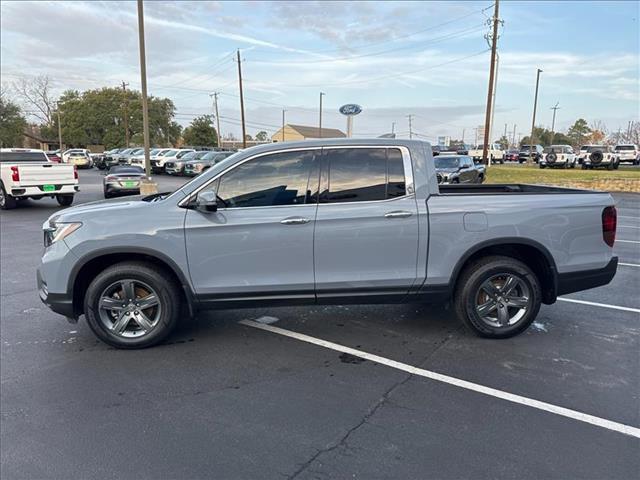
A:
244	128
320	117
59	130
553	122
487	118
533	120
143	81
215	107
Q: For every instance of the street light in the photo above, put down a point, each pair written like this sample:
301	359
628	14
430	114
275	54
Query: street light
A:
533	121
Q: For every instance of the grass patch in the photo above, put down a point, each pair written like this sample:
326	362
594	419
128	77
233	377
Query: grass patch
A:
549	176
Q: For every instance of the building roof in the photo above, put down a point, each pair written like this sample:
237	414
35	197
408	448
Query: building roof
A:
312	132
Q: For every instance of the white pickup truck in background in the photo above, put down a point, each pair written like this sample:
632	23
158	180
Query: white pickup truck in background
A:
495	153
27	173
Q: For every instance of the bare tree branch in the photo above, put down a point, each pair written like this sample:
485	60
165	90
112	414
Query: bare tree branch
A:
35	93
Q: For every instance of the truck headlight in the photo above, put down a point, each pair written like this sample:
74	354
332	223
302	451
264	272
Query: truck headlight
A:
59	231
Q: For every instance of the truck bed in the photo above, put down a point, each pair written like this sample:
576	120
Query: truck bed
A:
504	189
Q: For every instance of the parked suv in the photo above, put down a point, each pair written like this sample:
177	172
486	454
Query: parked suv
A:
458	169
527	151
628	153
322	222
601	156
560	156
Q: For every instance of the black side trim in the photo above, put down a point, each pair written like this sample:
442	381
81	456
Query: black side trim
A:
586	279
186	286
549	296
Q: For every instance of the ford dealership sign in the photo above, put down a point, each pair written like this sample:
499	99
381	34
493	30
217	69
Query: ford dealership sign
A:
350	109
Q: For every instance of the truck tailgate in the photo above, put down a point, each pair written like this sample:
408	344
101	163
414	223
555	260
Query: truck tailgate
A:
46	173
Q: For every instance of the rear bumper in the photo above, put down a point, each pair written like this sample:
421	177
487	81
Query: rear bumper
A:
38	191
586	279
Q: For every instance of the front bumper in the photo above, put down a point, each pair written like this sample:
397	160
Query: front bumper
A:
60	303
585	279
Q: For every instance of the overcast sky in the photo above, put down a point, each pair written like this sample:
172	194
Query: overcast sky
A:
392	58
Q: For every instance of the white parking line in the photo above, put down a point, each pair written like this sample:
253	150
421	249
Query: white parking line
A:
627	241
628	264
628	226
603	305
627	216
492	392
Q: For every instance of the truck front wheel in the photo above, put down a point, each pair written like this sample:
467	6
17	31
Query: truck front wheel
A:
64	200
497	297
7	202
132	305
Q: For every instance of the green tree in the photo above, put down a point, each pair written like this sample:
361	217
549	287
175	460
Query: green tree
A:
262	136
12	124
579	131
504	142
97	117
201	132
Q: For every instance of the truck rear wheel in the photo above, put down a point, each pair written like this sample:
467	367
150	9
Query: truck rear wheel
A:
7	202
497	297
132	305
64	200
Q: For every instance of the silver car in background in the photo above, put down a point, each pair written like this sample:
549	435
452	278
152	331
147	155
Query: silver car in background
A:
198	165
172	162
122	180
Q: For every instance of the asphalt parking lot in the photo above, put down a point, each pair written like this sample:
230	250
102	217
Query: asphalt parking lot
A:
223	399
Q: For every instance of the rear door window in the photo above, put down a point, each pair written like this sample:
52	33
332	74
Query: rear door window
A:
363	175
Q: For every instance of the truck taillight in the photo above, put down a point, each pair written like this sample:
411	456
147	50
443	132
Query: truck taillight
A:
75	172
15	174
609	222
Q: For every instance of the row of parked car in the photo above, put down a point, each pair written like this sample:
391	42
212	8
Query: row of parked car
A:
172	161
561	156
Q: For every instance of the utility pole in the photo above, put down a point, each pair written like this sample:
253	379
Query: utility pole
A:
393	127
533	120
505	130
320	117
410	117
244	128
514	135
463	130
493	102
487	119
143	81
126	114
214	95
283	112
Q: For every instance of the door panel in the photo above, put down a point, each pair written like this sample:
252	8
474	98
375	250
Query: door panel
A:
259	244
365	247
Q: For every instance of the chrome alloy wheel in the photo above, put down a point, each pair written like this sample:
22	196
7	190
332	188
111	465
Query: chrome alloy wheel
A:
129	308
502	300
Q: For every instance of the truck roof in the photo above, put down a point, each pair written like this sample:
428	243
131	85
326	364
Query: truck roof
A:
21	150
347	142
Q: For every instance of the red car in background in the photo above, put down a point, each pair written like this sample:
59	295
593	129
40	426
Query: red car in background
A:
511	155
53	157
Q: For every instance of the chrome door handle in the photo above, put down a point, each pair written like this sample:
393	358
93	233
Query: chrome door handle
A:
295	221
398	214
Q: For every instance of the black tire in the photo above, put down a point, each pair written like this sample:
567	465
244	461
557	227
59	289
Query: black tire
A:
616	165
542	166
7	202
107	194
584	166
64	200
168	294
610	166
468	288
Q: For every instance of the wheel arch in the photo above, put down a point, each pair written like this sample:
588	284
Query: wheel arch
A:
91	264
533	254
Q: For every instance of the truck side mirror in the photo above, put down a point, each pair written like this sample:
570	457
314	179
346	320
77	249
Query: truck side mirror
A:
207	201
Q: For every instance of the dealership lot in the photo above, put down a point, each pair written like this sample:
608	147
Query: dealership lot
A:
231	400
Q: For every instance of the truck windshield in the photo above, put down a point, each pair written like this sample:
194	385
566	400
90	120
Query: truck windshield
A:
23	157
447	162
624	147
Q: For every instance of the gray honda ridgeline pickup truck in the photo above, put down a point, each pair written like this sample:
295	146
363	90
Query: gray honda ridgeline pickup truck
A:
324	222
